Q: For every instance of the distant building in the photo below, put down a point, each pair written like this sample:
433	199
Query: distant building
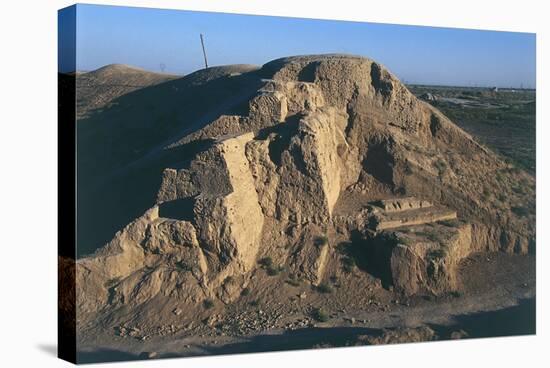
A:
428	97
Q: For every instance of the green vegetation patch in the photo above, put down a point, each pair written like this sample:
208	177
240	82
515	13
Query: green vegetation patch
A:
320	241
207	303
324	288
320	315
520	211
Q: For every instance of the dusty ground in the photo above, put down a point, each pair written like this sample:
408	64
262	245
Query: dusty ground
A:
497	299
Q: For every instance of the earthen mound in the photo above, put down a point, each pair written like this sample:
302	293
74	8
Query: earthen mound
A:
293	169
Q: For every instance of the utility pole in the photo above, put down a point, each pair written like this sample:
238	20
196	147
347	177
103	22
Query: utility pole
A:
204	52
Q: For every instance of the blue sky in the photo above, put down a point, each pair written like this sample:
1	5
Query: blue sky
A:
148	38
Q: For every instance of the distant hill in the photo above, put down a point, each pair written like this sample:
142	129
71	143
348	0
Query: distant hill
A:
96	89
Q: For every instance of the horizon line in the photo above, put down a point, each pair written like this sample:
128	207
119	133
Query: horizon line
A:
404	81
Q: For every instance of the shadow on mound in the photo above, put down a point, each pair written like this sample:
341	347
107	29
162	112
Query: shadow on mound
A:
179	209
369	255
105	209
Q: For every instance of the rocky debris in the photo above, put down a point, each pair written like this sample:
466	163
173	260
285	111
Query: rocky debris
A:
148	355
144	334
165	237
459	334
399	336
299	323
350	320
127	331
244	323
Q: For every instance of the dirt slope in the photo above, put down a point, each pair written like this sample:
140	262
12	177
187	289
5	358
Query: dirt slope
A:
96	89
